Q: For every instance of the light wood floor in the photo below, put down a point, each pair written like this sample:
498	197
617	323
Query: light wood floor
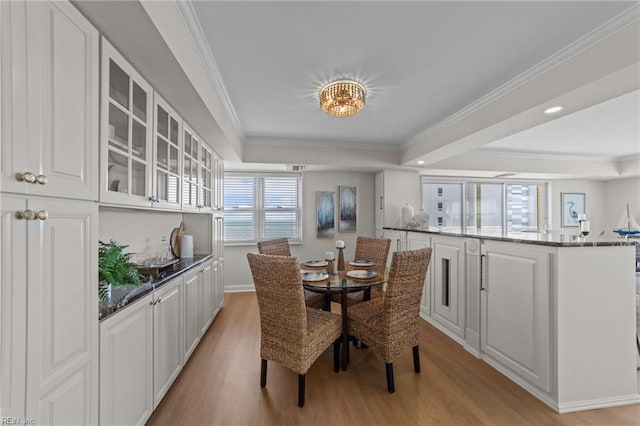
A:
221	385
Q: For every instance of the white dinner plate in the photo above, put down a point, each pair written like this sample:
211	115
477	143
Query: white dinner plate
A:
315	263
362	274
314	276
362	263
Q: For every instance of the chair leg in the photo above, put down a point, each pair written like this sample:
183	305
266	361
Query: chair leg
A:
301	382
390	384
336	355
416	358
263	373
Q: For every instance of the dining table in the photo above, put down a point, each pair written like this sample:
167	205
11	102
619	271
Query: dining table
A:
352	279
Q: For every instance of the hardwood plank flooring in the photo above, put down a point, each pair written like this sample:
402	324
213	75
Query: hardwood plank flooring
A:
220	385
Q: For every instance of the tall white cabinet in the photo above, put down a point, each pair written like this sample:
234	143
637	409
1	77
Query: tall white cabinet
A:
48	150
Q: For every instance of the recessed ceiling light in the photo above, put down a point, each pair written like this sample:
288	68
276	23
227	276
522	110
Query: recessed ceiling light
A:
553	109
420	161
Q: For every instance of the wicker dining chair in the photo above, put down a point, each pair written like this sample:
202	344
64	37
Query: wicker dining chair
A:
290	333
389	325
280	247
276	247
369	248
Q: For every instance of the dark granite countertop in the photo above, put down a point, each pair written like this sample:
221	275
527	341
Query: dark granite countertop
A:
552	239
121	297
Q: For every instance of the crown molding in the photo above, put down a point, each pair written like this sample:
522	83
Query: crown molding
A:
625	18
537	155
185	7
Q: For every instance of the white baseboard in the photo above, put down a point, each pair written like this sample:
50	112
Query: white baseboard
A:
240	288
472	343
571	407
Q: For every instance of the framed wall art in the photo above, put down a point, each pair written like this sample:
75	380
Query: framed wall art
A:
573	205
348	209
325	214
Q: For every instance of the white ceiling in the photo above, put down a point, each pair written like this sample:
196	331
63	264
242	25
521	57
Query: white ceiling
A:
610	129
421	61
451	83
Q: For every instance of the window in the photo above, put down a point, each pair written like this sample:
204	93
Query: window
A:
487	207
262	206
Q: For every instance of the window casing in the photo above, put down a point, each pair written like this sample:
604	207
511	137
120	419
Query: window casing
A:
259	206
493	208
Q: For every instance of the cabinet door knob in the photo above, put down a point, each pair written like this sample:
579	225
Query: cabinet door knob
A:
42	179
26	215
26	177
42	215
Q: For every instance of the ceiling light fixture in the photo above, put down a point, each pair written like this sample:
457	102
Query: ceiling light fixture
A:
553	109
421	162
342	98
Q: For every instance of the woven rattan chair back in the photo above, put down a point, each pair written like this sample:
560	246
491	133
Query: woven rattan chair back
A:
276	247
283	314
376	249
402	300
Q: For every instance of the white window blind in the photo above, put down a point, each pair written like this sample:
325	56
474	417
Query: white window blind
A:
261	206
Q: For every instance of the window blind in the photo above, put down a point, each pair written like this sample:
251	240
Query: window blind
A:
262	206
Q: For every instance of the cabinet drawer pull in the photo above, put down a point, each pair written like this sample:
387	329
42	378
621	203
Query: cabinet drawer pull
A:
42	215
26	215
26	177
482	269
42	179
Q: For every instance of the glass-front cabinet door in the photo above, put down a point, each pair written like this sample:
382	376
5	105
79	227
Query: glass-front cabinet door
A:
218	182
205	194
190	177
167	158
126	134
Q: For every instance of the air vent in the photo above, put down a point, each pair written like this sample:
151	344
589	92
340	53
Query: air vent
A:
296	167
504	175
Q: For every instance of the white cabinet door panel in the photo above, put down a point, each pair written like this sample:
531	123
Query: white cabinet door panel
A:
167	338
62	294
191	314
449	283
417	241
67	148
126	365
515	312
13	306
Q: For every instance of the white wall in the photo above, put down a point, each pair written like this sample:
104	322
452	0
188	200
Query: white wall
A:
237	276
142	230
594	203
605	201
617	194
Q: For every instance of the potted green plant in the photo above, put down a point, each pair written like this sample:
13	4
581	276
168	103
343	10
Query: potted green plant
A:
115	268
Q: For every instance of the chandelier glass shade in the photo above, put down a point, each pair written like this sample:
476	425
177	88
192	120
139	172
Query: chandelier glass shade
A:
342	98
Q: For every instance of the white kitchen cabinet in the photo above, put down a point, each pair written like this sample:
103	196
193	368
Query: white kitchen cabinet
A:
207	300
49	97
167	156
394	189
126	132
218	253
415	241
49	310
448	284
516	310
218	186
168	356
141	355
191	312
126	365
197	173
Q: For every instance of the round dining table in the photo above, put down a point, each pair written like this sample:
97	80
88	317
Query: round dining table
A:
343	284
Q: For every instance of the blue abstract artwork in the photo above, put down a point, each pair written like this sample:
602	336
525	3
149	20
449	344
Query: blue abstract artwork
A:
348	209
325	213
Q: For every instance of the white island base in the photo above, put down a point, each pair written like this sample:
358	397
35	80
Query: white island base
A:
558	318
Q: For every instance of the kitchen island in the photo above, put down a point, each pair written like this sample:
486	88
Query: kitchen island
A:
555	314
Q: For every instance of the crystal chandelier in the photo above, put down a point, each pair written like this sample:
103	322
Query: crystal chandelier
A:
342	98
